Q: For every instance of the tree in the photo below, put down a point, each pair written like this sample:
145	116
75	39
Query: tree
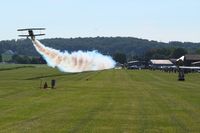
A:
25	60
197	51
0	58
162	53
178	52
15	58
42	61
21	59
35	60
120	58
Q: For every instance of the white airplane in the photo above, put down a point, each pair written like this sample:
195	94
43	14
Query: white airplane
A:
187	67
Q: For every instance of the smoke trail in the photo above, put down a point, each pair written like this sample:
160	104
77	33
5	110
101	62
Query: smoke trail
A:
76	61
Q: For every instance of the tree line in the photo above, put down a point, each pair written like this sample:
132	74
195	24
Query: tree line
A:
129	47
154	53
106	45
23	59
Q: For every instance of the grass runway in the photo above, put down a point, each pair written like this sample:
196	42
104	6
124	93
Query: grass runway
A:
111	101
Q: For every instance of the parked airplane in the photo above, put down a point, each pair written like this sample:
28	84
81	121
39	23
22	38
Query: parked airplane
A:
190	67
180	63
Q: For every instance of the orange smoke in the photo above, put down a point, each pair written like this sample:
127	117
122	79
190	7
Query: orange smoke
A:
78	61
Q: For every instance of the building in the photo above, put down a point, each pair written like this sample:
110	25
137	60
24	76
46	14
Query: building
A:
119	65
196	63
190	59
136	64
7	56
159	64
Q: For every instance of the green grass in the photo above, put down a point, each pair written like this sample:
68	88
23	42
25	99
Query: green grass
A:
111	101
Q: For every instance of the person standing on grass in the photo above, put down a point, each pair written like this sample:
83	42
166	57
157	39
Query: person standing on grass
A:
53	83
45	85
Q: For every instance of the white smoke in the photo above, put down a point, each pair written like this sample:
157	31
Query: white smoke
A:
78	61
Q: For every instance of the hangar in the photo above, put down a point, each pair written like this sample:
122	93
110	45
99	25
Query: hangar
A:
158	64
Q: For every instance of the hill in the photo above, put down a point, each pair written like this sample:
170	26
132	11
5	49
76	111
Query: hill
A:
107	45
106	101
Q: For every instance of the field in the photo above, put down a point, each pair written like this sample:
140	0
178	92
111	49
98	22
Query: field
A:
111	101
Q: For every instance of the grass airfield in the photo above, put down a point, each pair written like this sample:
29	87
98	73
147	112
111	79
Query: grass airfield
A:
110	101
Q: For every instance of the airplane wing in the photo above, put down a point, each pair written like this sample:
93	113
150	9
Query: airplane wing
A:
190	67
31	29
23	35
29	35
39	34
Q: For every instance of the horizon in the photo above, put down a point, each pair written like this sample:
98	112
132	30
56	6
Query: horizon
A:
164	21
43	38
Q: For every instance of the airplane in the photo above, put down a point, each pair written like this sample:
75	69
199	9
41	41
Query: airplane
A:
180	65
190	67
31	33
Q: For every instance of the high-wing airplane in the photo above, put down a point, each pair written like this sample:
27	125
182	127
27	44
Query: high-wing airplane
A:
190	67
180	62
31	33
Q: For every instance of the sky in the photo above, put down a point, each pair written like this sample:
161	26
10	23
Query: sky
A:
161	20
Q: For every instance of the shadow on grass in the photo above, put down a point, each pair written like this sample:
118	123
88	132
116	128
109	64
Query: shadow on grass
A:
79	76
13	68
47	76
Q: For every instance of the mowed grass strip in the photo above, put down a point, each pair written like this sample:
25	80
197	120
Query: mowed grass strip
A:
104	101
